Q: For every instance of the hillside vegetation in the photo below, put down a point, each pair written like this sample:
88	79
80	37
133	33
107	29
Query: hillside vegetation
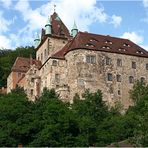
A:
90	122
7	59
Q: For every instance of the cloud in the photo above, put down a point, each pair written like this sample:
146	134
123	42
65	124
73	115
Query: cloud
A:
6	3
4	23
5	42
116	20
84	12
133	36
145	3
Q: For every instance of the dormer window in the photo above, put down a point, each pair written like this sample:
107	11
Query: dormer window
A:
93	40
139	52
107	47
121	49
89	44
126	45
108	42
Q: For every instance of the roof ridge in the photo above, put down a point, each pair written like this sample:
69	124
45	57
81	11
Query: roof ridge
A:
104	35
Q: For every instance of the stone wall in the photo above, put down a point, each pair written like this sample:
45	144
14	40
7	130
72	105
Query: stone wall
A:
82	75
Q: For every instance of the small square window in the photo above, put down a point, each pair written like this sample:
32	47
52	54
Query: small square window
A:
142	79
118	78
119	62
119	92
133	65
32	80
131	79
54	62
147	66
109	77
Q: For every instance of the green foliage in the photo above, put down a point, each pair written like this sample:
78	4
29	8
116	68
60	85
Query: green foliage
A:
89	122
140	111
7	59
140	89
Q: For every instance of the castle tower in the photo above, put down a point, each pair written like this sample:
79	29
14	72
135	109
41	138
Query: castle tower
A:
48	27
74	30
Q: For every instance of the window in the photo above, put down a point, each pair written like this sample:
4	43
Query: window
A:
119	92
80	82
32	80
108	61
133	65
142	79
41	56
54	63
45	54
89	44
48	51
38	57
131	79
119	62
31	92
147	66
19	74
91	59
57	78
109	77
118	78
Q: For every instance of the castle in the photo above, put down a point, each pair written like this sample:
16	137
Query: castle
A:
73	62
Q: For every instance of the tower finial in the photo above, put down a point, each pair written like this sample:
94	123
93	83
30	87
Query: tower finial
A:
54	7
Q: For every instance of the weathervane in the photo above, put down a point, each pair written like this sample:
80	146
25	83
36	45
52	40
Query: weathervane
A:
54	7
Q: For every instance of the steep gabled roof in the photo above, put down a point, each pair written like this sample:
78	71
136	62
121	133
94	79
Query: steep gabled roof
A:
58	27
103	43
23	64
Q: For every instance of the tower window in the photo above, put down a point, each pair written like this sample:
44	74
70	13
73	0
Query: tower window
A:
133	65
91	59
45	54
119	62
57	78
54	63
41	56
131	79
147	66
109	77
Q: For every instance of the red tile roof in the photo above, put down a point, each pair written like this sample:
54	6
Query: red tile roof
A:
23	64
58	27
89	41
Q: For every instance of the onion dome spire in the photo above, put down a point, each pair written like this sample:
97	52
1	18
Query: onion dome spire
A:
74	30
48	26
